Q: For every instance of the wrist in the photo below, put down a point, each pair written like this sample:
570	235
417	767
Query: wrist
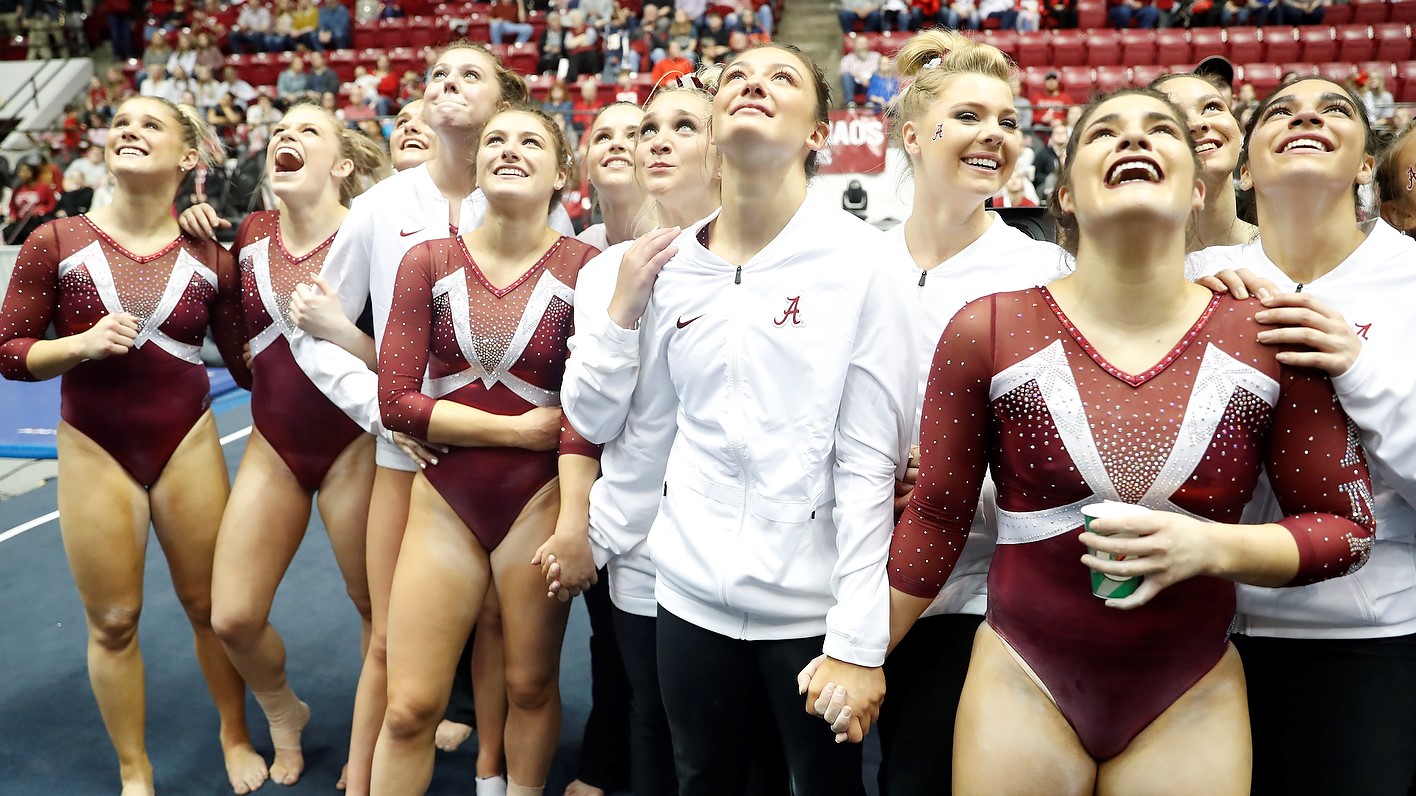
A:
1222	555
622	317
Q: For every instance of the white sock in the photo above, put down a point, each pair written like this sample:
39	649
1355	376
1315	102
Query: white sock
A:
491	786
513	789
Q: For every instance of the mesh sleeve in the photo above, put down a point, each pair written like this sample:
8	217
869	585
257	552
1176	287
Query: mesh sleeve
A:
228	325
30	302
403	356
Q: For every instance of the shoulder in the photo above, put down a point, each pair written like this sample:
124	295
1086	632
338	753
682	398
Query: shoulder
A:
575	251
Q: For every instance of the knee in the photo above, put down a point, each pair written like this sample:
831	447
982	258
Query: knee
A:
198	608
530	687
362	604
114	628
410	715
234	625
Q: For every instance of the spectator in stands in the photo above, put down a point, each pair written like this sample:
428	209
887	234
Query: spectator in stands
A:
320	78
713	37
178	17
305	24
927	13
866	12
119	15
964	14
1049	161
178	85
116	85
1379	102
582	46
857	68
357	109
693	8
673	63
185	55
681	30
1060	14
884	85
508	17
586	105
84	176
292	84
213	20
597	12
558	101
625	90
208	54
1137	14
263	114
282	37
254	28
1029	15
1021	103
552	47
1302	12
1005	11
225	115
156	82
243	91
620	52
1050	105
1017	192
653	35
32	202
1234	12
409	88
208	89
336	27
157	53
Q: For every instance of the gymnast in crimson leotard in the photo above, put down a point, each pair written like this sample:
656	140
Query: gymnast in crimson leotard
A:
502	351
138	407
300	423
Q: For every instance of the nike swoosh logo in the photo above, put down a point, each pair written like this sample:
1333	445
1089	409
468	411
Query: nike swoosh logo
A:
682	323
406	233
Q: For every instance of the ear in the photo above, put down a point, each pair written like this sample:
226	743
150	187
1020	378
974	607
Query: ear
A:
1246	180
562	177
189	161
1064	200
820	137
909	136
343	168
1368	171
1198	202
1396	213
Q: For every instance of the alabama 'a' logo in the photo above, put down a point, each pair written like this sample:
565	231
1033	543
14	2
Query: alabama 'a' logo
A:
791	314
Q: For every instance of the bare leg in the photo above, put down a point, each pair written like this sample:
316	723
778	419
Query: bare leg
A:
1200	744
343	501
534	627
388	515
437	593
1009	738
187	503
103	517
489	687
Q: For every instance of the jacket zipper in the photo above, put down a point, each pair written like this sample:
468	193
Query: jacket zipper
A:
922	275
736	447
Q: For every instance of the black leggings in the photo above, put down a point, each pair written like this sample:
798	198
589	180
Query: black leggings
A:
717	690
1332	717
924	678
651	749
604	746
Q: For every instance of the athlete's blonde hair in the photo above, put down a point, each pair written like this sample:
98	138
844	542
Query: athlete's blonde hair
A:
371	162
931	58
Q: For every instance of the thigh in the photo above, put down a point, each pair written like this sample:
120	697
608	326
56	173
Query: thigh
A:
437	591
816	764
261	529
188	500
636	638
388	516
1332	715
533	625
1200	743
713	700
924	678
1009	737
103	519
344	504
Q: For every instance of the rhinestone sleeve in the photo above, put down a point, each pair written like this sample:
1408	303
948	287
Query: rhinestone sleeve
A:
1318	471
953	455
30	302
228	325
403	355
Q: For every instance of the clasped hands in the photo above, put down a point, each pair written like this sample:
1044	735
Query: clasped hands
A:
847	696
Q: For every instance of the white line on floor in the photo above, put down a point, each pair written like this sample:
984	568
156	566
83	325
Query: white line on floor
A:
54	515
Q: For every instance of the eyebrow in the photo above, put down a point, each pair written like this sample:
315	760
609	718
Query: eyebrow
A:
767	68
1326	96
1152	116
1000	110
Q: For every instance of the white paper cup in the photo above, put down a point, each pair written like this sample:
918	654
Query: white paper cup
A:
1107	586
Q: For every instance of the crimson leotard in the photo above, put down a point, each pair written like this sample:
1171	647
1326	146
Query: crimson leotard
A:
140	405
1015	387
300	423
452	335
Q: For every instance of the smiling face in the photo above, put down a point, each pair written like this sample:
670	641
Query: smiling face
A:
768	103
147	138
674	156
1308	133
968	141
462	91
519	160
1131	161
610	155
410	143
303	157
1213	127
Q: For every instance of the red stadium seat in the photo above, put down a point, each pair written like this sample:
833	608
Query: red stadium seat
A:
1103	48
1145	74
1077	81
1300	68
1069	47
1280	44
393	32
1005	40
1034	49
1137	46
1110	78
1406	75
262	69
1354	43
403	59
1033	78
1337	71
422	33
522	58
1263	77
1244	45
1337	14
343	63
1403	11
1206	42
1172	46
1317	43
366	35
1369	12
1393	41
1091	14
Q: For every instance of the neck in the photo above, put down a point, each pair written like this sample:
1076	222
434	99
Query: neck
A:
682	214
620	209
305	225
1129	276
513	230
942	226
747	223
1218	224
143	209
1308	238
454	168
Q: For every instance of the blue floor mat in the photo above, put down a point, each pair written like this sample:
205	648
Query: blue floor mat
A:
29	413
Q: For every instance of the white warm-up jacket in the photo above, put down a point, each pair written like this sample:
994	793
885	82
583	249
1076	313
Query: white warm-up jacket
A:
1375	290
793	384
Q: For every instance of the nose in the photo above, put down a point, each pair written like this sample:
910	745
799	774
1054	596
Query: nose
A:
1306	116
1134	139
752	85
1198	126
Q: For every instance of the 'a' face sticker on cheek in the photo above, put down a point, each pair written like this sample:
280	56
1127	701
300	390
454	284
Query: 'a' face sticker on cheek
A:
1410	176
939	133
